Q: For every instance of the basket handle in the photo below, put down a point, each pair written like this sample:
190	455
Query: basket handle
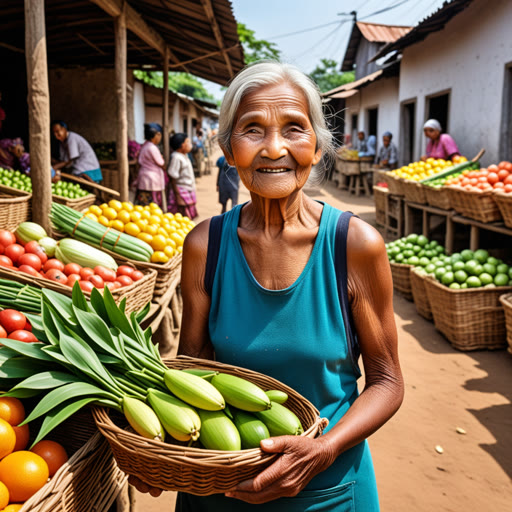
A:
479	155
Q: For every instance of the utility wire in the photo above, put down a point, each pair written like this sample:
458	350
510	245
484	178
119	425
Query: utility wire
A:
305	30
386	9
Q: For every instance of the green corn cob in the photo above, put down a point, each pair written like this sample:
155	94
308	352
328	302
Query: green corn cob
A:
241	393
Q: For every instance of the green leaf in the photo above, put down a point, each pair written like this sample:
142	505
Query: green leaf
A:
110	404
60	303
23	393
56	354
122	305
78	298
47	380
50	329
35	321
6	353
116	316
32	350
143	313
21	368
98	304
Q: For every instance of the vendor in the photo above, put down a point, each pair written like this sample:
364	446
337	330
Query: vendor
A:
75	153
388	153
440	145
370	148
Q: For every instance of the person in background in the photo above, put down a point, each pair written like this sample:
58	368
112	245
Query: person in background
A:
388	153
371	148
361	145
440	145
150	182
75	153
182	189
228	182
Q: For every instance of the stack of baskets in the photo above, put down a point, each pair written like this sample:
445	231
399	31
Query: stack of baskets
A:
479	206
15	207
506	302
504	202
401	274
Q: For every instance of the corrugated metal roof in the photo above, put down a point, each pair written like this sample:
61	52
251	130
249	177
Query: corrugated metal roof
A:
333	93
376	33
432	23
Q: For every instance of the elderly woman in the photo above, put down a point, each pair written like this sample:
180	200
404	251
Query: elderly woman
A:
298	290
440	145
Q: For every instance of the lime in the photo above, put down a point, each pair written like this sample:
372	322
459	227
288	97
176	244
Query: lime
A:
439	273
430	268
510	272
490	269
414	260
470	266
501	279
473	282
439	263
408	246
399	258
434	259
429	253
478	270
412	238
493	261
422	240
447	278
460	276
416	249
458	265
433	244
485	278
463	286
439	249
455	286
408	253
424	262
456	257
502	269
421	253
481	255
466	255
490	285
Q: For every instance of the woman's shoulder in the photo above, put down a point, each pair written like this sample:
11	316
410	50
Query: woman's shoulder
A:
363	240
446	137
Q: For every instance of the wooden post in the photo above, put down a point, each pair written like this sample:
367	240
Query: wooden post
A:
38	111
122	118
165	102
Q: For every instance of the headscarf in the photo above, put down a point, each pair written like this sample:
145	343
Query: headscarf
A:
60	123
177	140
387	134
434	124
151	129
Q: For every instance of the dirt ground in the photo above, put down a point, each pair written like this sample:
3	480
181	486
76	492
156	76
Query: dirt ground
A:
445	389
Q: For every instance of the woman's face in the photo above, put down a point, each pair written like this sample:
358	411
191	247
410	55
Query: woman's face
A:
431	133
157	138
273	143
60	133
186	147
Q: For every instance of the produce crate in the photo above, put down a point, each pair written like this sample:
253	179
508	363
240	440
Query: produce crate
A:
504	202
14	210
78	204
419	293
380	194
395	185
401	274
137	295
471	319
506	302
438	197
196	470
90	480
414	192
381	176
479	206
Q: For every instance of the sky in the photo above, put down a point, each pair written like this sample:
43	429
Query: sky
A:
273	20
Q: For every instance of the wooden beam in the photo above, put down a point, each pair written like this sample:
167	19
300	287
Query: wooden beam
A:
90	43
165	109
38	111
211	54
122	117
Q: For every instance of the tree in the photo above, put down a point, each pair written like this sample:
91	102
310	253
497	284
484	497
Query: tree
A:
256	49
327	76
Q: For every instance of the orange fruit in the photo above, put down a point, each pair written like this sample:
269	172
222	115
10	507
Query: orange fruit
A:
7	439
22	435
11	410
24	473
53	453
4	496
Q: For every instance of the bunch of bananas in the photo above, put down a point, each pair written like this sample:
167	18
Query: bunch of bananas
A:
219	410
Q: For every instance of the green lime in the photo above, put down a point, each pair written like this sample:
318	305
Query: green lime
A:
502	269
416	249
439	263
433	244
481	255
490	269
424	262
408	253
455	257
478	269
409	246
470	265
460	276
429	253
430	268
455	286
473	282
493	261
439	273
414	260
458	265
490	285
439	249
510	272
422	240
485	278
463	286
501	279
399	258
466	255
412	238
447	278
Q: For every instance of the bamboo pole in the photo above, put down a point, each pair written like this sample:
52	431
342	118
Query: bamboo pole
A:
165	113
38	111
122	118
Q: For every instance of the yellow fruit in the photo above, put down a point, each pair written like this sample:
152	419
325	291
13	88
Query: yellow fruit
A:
151	229
155	219
180	249
7	438
145	237
159	242
110	213
171	229
13	507
4	496
178	216
138	208
96	210
169	251
124	216
117	205
162	231
145	215
117	224
182	233
103	220
135	216
159	257
153	206
91	216
177	238
171	242
127	206
103	206
169	215
142	223
174	223
132	229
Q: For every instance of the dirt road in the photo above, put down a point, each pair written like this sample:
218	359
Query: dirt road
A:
445	389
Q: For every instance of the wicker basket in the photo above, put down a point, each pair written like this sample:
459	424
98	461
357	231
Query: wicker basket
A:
196	470
414	192
438	197
419	293
137	295
14	210
380	194
350	167
79	204
506	302
471	319
380	176
402	279
111	177
395	185
479	206
504	202
89	480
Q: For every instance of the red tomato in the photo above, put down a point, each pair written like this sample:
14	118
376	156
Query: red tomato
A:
27	327
484	172
117	285
3	332
7	238
111	286
472	174
499	185
493	168
492	178
12	320
34	248
86	272
125	280
508	188
508	180
72	278
503	165
28	269
473	181
32	260
137	275
508	167
5	261
96	281
53	264
56	275
2	249
72	268
125	270
22	335
14	251
503	175
106	274
482	179
86	286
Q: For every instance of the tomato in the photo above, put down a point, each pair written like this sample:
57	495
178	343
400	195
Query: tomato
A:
12	320
117	285
5	261
137	275
86	286
473	181
53	264
2	249
32	260
86	272
106	274
34	248
508	167
125	270
3	332
503	175
508	180
492	178
28	327
28	269
7	238
14	251
125	280
503	165
72	268
472	174
56	275
499	185
482	179
493	168
508	188
22	335
111	286
72	278
96	281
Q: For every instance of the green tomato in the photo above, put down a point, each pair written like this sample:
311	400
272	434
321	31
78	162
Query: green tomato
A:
460	276
473	282
502	269
481	255
490	269
439	273
458	265
501	279
447	278
466	255
413	260
454	286
430	268
486	278
412	238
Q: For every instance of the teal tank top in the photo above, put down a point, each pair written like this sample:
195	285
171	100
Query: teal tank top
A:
298	336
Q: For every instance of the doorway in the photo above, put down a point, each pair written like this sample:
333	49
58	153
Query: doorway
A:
438	107
506	116
407	123
353	126
373	114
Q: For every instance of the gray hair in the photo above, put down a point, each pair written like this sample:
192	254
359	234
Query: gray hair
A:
265	73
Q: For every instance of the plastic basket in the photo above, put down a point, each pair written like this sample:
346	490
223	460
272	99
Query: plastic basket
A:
419	293
506	302
401	274
504	202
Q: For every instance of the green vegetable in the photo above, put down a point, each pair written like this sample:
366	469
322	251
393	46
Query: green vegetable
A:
29	231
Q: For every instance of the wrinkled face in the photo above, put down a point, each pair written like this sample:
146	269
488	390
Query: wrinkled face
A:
386	141
431	133
272	142
59	132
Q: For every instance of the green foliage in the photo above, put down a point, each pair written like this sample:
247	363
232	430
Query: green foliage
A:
327	76
256	49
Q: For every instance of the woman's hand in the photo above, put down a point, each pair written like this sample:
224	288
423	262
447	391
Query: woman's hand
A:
423	158
143	487
301	459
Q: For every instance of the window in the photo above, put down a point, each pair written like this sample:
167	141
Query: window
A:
506	116
372	124
407	124
353	126
438	107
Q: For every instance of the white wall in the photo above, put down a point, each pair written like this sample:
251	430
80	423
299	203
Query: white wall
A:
468	56
139	116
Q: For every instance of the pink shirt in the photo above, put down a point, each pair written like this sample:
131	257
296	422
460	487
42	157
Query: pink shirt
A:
151	175
444	147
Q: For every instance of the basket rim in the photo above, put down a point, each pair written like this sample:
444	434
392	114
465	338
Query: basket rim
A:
506	300
480	289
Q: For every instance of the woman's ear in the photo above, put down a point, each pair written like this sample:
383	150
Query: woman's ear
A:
228	155
317	157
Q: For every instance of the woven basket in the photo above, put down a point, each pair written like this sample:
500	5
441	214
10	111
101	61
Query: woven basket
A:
137	295
350	168
401	274
471	319
79	204
381	176
90	480
380	194
475	205
14	210
504	202
414	192
196	470
111	178
506	302
395	185
438	197
419	293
